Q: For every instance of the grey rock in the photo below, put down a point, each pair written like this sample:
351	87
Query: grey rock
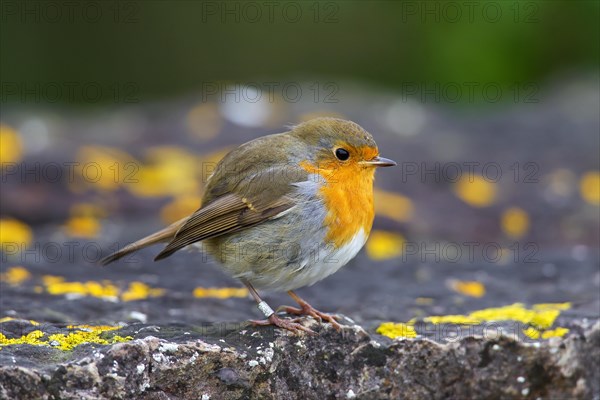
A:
263	363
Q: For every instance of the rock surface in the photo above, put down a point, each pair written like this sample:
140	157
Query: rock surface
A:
267	363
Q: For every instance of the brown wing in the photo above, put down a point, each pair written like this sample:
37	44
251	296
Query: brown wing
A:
250	185
227	214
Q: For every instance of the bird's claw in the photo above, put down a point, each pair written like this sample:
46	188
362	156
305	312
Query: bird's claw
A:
288	324
307	309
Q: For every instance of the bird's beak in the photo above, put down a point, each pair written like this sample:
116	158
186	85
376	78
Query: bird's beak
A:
379	162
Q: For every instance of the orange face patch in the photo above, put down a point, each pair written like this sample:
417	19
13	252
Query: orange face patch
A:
347	193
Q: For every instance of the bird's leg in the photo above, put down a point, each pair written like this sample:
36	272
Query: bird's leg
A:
272	318
307	309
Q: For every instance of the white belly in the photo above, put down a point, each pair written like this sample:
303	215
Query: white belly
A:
320	266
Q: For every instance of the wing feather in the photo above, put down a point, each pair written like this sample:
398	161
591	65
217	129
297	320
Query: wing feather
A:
227	214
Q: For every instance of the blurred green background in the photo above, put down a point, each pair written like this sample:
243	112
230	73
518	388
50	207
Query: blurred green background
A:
170	48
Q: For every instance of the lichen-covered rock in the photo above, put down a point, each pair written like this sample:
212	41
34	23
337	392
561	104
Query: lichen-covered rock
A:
267	363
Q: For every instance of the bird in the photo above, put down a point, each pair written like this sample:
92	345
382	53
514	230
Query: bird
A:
283	211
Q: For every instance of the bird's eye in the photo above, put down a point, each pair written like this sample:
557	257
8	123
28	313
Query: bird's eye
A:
342	154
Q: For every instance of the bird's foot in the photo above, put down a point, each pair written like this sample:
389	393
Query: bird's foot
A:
307	309
290	325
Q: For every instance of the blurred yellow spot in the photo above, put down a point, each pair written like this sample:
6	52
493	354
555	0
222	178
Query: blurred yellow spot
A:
104	168
56	285
11	146
88	209
452	319
393	206
204	121
15	275
397	330
558	332
89	288
14	233
541	316
468	288
87	227
589	187
140	291
475	191
171	171
220	293
515	222
384	245
84	220
52	279
180	207
67	341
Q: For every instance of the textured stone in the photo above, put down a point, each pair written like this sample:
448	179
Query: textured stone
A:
263	363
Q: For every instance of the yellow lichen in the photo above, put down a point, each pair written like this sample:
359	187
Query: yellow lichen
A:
393	205
103	168
384	245
397	330
171	171
15	275
589	187
140	291
220	293
11	145
51	279
452	319
539	318
84	227
531	333
476	191
57	285
515	222
79	334
542	316
89	288
84	220
469	288
15	236
32	338
558	332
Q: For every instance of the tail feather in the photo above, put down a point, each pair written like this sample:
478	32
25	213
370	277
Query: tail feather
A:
164	235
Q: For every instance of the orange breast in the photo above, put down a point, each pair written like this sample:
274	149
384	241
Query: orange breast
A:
347	193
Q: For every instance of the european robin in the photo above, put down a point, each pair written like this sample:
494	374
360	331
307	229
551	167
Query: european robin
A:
284	211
